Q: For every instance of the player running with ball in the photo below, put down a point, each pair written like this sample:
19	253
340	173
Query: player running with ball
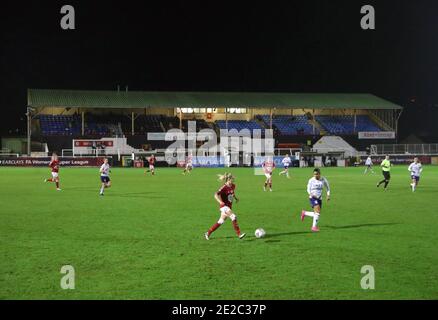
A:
415	169
104	176
225	197
54	165
315	188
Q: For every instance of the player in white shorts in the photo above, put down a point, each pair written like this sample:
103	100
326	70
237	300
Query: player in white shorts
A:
151	161
369	165
225	196
286	163
189	165
268	168
104	176
315	188
415	168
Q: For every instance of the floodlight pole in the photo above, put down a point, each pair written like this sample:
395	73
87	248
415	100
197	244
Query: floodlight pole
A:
132	123
355	123
396	126
29	130
83	123
270	118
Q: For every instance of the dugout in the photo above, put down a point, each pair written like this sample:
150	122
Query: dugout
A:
209	107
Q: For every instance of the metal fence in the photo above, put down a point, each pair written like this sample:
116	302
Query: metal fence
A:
413	149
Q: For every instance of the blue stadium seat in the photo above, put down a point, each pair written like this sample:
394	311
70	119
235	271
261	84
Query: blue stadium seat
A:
290	125
345	124
239	125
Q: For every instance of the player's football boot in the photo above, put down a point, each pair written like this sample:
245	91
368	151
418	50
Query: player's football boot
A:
315	229
207	237
242	235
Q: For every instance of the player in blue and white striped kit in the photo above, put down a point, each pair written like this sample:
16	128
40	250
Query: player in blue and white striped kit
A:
315	187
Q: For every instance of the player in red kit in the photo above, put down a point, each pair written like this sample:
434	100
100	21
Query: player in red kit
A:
268	168
189	165
225	197
151	161
54	165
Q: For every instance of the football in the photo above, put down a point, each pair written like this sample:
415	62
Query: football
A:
260	233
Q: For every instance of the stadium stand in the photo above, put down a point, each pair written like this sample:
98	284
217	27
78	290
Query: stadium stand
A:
297	117
143	124
290	125
61	125
345	124
239	125
70	125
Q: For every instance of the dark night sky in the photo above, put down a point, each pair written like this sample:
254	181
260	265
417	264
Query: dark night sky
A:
293	46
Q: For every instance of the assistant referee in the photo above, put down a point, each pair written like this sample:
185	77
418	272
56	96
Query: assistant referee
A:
386	168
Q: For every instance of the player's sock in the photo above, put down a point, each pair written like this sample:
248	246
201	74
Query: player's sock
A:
50	180
101	189
386	183
57	184
236	227
381	183
213	228
309	214
315	219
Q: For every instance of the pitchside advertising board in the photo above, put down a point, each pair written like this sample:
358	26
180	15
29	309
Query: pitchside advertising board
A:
377	135
219	162
399	159
205	162
44	162
258	161
93	143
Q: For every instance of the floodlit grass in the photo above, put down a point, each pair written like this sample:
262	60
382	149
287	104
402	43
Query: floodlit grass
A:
144	238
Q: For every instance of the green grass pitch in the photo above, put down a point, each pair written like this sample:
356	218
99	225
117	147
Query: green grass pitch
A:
144	238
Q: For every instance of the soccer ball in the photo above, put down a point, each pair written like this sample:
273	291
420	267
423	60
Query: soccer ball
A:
260	233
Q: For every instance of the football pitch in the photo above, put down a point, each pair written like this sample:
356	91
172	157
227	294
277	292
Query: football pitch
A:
144	238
